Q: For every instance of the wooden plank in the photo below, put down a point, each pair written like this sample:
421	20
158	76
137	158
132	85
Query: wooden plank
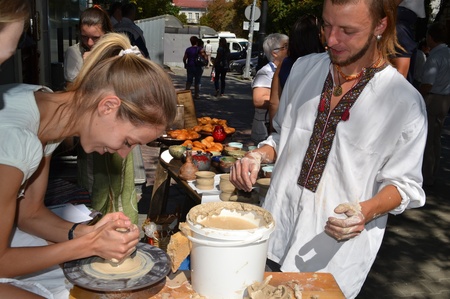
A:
313	285
184	97
160	192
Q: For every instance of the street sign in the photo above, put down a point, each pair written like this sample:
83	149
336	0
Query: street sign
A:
248	12
246	26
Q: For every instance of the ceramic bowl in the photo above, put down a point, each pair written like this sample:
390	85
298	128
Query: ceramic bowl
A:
228	149
226	162
214	153
235	144
251	147
215	161
267	171
237	154
177	151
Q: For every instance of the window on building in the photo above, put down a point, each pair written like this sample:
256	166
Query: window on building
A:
190	16
197	16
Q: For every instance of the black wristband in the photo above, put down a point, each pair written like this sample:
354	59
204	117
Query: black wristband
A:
70	235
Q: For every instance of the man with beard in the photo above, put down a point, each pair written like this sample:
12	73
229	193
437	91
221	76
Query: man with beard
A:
349	147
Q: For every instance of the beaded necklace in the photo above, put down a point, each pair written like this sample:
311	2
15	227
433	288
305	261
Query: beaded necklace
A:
337	89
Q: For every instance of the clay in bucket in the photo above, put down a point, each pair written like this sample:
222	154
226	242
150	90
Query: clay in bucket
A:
229	247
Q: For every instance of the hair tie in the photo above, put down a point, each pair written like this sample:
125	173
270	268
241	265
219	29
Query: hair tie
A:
132	50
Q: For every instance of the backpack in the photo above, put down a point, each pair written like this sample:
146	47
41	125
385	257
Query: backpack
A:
200	60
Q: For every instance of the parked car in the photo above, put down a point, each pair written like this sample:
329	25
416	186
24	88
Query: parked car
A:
242	54
238	66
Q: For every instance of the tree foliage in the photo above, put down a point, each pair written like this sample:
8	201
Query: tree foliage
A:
283	13
219	16
223	15
153	8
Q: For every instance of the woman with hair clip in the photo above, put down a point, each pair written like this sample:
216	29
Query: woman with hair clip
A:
93	24
118	101
109	178
13	19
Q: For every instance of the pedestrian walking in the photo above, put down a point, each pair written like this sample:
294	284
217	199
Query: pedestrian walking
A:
208	51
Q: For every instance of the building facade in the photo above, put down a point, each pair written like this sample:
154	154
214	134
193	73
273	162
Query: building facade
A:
193	9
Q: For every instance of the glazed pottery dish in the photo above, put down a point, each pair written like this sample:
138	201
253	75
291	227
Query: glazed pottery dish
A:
226	162
177	151
236	144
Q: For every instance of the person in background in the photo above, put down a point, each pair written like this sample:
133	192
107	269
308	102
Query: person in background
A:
127	26
420	59
304	38
346	154
115	13
109	178
435	88
194	71
13	21
208	52
201	52
407	13
93	24
118	101
275	47
221	66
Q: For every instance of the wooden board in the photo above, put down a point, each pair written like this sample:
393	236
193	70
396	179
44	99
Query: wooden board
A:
313	285
184	97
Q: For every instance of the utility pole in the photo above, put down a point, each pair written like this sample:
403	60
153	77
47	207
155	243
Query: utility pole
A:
262	33
246	74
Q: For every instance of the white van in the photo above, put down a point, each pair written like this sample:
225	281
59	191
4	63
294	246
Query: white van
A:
235	44
226	34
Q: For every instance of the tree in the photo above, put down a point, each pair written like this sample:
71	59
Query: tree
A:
153	8
182	17
283	13
239	17
219	16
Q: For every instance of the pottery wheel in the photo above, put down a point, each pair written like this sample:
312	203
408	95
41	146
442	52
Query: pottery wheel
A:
130	267
148	266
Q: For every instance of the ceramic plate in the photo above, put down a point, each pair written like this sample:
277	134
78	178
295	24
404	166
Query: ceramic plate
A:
172	141
214	191
154	260
166	156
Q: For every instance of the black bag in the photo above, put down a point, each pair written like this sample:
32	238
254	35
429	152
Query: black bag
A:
200	60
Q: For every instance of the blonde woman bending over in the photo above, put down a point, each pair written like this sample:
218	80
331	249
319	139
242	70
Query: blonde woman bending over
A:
118	101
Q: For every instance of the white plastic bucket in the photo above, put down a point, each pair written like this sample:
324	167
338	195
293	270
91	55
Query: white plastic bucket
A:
224	262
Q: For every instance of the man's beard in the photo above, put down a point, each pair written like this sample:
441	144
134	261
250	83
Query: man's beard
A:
353	58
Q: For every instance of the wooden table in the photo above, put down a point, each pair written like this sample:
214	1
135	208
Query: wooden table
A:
313	285
166	171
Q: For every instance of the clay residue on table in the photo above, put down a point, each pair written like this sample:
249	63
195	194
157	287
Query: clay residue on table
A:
175	280
266	291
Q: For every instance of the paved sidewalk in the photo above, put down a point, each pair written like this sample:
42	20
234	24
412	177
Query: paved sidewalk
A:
413	261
